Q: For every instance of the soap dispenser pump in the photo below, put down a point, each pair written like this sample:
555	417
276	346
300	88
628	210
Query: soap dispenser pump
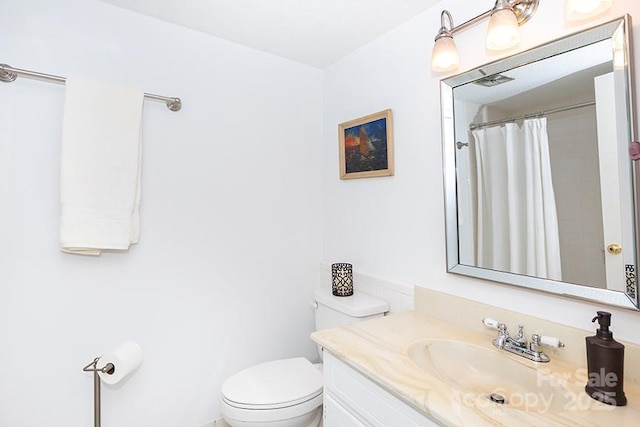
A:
605	362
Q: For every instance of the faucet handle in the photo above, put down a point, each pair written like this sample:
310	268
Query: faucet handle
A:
491	323
535	344
502	328
551	341
538	340
502	337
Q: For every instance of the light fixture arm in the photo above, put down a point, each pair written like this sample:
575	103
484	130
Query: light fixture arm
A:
523	9
445	31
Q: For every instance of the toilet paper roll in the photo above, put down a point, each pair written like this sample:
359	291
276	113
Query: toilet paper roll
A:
125	358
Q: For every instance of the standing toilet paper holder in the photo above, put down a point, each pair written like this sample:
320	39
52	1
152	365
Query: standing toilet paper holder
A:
118	365
109	369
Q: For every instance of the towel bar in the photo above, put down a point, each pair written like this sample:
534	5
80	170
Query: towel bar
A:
8	74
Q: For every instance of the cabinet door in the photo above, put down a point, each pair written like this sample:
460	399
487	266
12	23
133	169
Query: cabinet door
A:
369	403
336	415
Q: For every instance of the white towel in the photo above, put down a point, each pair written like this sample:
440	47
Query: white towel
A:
100	167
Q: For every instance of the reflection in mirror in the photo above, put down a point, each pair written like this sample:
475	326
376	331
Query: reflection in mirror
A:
539	184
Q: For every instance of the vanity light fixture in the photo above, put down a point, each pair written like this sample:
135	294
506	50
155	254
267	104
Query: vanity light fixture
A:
577	10
503	31
505	18
444	56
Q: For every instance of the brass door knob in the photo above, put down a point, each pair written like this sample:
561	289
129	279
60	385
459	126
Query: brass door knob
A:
614	249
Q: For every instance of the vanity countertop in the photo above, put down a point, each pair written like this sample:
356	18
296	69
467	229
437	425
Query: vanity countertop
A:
378	349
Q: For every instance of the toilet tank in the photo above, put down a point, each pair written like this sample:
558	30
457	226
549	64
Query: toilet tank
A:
335	311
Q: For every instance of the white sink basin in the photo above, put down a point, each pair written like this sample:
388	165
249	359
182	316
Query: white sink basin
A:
477	373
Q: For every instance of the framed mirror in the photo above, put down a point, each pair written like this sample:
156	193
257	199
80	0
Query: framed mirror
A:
540	189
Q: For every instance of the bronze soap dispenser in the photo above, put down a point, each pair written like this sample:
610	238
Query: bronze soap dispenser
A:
605	362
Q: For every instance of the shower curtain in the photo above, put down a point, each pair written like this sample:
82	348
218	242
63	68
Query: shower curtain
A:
517	223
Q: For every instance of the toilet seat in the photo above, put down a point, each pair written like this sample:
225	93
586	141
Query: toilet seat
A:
273	385
281	393
298	415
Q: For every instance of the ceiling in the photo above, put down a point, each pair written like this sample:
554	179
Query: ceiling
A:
313	32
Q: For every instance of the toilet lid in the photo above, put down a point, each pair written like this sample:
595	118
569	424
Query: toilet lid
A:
274	384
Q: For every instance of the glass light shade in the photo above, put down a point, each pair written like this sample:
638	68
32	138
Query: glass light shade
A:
504	31
445	55
576	10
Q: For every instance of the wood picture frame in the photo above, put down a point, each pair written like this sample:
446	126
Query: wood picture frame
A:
366	146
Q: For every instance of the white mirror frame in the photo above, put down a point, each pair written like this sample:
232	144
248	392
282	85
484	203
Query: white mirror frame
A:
598	33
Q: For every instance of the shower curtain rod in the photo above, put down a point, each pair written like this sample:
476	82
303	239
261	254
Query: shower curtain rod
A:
9	74
474	126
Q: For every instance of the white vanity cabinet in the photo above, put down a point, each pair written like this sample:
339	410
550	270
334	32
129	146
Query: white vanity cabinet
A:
352	400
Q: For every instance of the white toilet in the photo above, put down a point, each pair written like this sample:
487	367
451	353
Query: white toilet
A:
288	392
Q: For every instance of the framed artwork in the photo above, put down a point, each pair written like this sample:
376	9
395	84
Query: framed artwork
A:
366	146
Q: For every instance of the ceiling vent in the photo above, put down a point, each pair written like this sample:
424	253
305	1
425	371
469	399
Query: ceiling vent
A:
494	80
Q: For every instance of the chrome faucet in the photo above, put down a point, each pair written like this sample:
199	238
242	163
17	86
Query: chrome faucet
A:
518	344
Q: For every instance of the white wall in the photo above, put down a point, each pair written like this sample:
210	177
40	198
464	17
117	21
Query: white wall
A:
231	218
394	226
231	235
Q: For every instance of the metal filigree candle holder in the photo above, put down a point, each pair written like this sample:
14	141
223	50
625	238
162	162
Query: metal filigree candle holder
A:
342	279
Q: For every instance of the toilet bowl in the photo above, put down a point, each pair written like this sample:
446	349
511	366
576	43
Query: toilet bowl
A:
288	392
281	393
